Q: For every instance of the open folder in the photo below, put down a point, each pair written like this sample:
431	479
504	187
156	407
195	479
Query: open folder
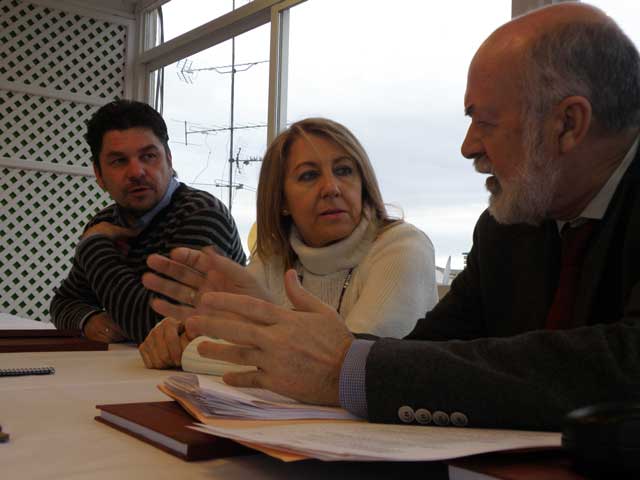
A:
278	425
211	397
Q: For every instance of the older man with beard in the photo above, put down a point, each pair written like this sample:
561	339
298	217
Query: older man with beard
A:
546	316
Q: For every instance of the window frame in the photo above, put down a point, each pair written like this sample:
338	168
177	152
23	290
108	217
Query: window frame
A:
245	18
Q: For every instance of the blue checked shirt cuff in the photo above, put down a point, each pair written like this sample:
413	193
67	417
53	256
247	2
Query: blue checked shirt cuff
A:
353	392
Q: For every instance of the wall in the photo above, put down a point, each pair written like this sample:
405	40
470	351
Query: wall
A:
59	61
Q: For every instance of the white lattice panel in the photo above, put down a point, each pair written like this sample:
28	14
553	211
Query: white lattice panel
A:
44	129
42	215
58	55
57	50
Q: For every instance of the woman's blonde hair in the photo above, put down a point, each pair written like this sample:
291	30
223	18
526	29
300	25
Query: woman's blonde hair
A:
273	226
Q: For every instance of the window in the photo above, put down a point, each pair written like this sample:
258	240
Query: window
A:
180	16
197	109
625	12
395	74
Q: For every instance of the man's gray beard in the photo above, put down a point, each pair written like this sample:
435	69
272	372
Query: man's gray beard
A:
528	196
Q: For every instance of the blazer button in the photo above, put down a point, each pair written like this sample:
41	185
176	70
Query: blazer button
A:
423	416
440	418
459	419
406	414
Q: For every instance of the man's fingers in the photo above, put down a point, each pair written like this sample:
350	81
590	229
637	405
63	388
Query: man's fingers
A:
117	334
175	290
167	309
302	300
228	327
114	337
238	354
223	267
198	260
257	379
249	308
178	271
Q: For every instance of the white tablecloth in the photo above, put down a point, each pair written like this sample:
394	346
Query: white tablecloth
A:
54	435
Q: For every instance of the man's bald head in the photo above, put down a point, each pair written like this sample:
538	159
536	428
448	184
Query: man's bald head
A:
570	49
553	96
526	27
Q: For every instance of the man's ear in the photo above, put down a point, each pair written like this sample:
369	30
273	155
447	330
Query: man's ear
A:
96	171
572	120
167	153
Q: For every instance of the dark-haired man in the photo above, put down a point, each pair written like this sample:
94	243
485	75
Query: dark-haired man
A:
153	213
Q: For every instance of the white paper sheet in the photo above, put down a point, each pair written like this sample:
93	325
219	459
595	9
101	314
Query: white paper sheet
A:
213	398
369	441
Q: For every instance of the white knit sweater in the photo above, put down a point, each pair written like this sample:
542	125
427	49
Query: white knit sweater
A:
392	284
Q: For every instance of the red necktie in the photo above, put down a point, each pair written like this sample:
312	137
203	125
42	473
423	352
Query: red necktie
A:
575	241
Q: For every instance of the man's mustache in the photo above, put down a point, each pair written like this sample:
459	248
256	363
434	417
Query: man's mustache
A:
482	165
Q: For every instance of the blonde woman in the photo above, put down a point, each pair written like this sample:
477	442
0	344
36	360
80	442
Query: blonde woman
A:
320	212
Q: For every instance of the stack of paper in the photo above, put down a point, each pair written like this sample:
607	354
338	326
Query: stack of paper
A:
213	398
361	441
288	430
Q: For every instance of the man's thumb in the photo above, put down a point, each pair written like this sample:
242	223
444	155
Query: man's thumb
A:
301	300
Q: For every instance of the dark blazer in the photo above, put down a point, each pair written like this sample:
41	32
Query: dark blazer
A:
482	350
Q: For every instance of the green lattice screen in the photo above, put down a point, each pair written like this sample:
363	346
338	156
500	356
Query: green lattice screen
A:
61	51
45	129
42	213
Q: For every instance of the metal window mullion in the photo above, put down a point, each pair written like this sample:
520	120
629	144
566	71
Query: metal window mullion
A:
223	28
279	68
24	164
130	55
19	87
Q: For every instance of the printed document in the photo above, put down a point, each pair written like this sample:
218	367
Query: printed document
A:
360	441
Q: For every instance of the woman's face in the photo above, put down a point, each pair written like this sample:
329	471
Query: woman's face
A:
322	190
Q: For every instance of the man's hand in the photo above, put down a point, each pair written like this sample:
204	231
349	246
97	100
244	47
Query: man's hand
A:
299	353
192	273
113	232
100	327
164	345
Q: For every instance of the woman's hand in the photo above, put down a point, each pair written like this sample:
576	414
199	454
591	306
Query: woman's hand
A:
164	345
194	272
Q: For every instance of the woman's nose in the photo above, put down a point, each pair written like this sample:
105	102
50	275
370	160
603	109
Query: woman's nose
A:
330	186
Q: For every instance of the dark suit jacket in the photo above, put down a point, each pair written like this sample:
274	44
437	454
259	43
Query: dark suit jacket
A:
482	351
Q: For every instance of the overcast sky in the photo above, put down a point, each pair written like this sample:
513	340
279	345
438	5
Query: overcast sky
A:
393	72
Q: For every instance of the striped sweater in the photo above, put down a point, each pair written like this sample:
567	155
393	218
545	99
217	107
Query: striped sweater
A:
102	277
